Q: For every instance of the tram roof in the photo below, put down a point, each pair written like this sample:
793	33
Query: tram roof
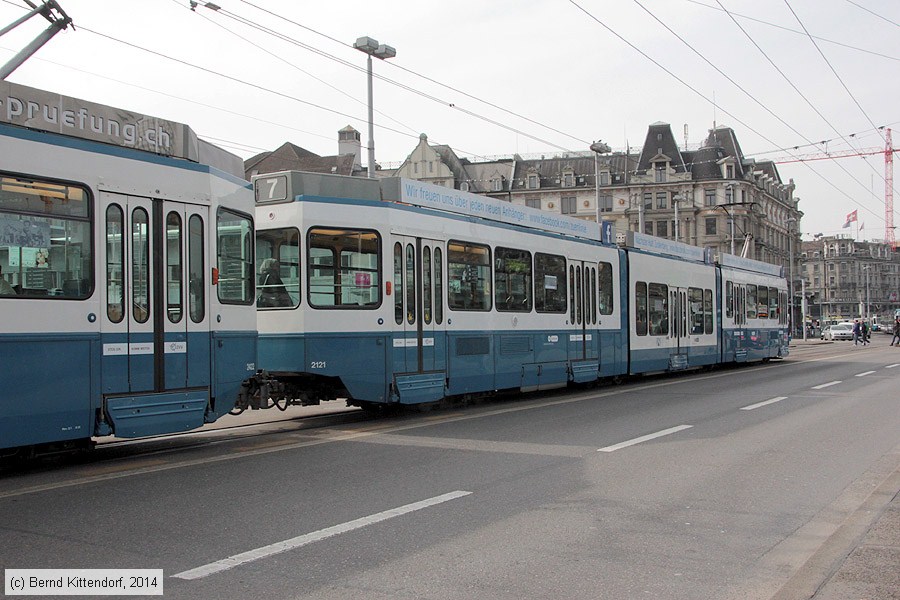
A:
48	111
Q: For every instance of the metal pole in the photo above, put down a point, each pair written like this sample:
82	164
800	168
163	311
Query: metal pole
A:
641	214
677	200
791	275
16	61
803	306
597	183
731	218
371	120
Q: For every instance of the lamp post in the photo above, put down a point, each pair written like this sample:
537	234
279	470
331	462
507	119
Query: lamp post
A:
372	48
598	148
676	200
791	221
866	269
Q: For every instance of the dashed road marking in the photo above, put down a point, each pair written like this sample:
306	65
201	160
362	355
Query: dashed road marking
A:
645	438
308	538
767	402
825	385
864	373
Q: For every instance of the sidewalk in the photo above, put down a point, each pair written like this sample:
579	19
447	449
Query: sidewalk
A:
872	569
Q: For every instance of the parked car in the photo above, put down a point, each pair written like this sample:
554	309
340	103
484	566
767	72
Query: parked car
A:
840	331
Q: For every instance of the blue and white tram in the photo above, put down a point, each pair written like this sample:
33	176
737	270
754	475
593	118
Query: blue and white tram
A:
673	317
401	291
754	310
398	291
127	293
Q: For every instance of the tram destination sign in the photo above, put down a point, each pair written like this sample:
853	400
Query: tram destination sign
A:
38	109
428	195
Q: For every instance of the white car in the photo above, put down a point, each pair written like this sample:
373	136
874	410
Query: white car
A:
839	331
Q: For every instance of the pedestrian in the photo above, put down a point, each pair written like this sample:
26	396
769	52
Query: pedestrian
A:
856	332
864	331
895	341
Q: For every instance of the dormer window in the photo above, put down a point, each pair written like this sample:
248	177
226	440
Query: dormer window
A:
464	186
568	179
533	182
604	177
660	170
497	185
729	171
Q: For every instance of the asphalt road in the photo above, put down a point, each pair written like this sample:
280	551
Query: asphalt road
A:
725	484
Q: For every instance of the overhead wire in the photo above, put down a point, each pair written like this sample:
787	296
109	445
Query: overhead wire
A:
872	12
701	95
841	80
810	104
783	28
396	65
408	88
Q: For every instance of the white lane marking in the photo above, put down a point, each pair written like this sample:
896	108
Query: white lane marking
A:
864	374
758	404
825	385
645	438
315	536
892	366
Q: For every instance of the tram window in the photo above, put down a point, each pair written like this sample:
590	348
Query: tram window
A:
410	284
45	239
115	272
278	268
729	299
174	270
658	308
750	301
426	285
695	303
438	286
640	308
773	303
140	265
579	295
344	268
606	288
763	299
196	270
550	283
469	272
234	243
593	295
398	283
707	312
512	280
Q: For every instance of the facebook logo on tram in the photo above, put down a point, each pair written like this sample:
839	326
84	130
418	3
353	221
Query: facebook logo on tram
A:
607	232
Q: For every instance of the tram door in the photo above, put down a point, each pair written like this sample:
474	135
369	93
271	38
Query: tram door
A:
155	325
680	324
419	343
583	341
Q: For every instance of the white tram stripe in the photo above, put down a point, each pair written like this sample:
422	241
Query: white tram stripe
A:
864	374
825	385
764	403
315	536
892	366
645	438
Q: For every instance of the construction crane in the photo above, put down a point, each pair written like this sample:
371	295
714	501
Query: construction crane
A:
888	152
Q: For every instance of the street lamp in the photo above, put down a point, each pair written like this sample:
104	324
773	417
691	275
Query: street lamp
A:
791	221
372	48
598	148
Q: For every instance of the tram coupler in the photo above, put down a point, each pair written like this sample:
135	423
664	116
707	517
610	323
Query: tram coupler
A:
257	392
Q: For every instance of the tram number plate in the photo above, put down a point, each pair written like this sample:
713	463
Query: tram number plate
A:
317	364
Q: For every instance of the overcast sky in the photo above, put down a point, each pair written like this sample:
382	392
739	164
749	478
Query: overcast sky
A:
497	77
